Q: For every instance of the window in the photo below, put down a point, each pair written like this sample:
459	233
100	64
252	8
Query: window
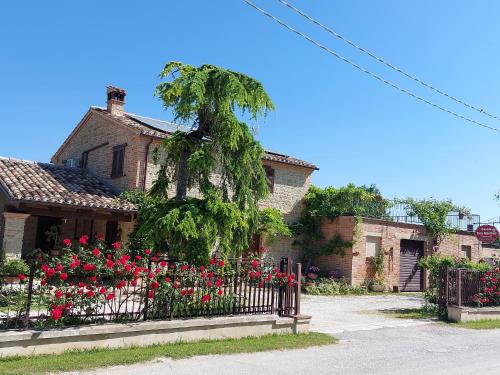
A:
466	251
118	158
112	232
85	159
269	177
372	246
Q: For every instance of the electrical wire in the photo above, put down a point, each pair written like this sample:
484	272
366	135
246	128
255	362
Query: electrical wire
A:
373	75
385	62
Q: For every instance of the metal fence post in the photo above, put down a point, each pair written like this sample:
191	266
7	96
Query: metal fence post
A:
459	287
298	289
446	286
29	297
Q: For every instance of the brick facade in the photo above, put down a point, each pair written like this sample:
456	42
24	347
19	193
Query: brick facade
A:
290	181
356	267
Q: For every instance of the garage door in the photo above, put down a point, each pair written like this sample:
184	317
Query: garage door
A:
410	274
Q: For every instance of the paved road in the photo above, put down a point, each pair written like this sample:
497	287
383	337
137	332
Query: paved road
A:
369	344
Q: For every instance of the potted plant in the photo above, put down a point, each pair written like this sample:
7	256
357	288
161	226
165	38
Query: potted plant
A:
12	268
313	272
378	263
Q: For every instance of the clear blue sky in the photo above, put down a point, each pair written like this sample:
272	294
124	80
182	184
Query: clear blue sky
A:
57	57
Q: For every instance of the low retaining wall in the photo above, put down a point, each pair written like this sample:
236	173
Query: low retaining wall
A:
468	314
13	342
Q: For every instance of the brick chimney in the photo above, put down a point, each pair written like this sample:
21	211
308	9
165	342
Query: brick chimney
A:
116	100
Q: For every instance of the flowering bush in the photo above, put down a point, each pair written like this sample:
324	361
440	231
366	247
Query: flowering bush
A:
490	292
88	281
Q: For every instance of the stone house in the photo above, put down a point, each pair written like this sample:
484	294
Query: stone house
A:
108	152
403	245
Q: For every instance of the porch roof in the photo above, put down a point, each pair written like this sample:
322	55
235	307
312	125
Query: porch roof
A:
32	182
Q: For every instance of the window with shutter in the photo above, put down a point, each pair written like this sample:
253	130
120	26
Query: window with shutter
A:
269	177
118	161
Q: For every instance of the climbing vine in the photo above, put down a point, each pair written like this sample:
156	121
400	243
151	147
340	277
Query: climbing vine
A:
330	203
433	214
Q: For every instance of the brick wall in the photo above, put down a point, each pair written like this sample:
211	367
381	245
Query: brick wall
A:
96	131
356	266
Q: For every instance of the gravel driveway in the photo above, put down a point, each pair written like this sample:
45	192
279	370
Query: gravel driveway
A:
370	343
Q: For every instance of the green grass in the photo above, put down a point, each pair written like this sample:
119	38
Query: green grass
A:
480	324
97	358
423	312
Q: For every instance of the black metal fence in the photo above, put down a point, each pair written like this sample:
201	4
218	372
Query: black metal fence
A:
240	287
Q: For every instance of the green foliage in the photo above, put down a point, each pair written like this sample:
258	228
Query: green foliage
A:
272	225
433	263
225	214
14	267
330	203
328	287
336	245
378	263
433	215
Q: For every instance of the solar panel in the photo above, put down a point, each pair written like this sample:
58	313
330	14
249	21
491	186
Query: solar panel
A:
165	126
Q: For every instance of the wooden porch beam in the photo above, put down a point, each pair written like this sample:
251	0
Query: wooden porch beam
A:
75	214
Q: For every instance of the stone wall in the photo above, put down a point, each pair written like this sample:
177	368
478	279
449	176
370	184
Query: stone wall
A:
290	182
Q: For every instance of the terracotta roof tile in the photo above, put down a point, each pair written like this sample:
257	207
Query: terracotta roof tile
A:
47	183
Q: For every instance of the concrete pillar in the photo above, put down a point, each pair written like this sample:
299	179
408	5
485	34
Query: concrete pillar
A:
12	245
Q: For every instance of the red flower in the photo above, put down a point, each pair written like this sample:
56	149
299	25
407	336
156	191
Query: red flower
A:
56	312
43	282
68	305
183	292
167	279
116	245
133	282
185	267
96	252
127	268
67	242
205	298
90	294
110	296
88	267
102	290
220	292
44	267
154	284
154	258
110	263
190	290
147	251
99	237
138	257
213	261
218	282
221	263
93	279
163	264
72	265
202	268
59	267
58	293
63	276
21	277
84	239
151	294
255	263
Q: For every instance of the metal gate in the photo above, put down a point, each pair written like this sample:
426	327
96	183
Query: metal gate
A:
410	274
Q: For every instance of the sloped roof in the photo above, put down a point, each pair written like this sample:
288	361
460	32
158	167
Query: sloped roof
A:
27	181
161	129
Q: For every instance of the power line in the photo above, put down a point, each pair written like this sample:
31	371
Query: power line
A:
373	75
385	62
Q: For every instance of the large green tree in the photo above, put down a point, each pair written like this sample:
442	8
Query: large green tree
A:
218	158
